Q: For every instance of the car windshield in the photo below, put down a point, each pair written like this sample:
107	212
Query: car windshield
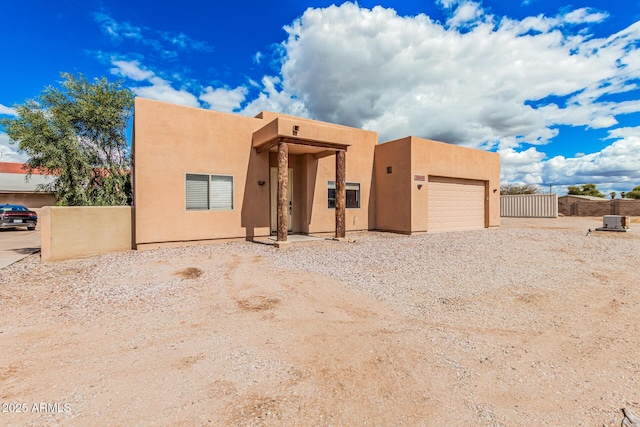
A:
13	209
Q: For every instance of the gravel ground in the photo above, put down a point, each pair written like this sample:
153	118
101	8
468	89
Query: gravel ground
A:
534	323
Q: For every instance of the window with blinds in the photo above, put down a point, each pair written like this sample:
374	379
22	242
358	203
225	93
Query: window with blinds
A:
209	192
197	192
353	195
221	193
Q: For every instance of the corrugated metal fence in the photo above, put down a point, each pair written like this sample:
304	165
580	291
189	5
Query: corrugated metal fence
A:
529	206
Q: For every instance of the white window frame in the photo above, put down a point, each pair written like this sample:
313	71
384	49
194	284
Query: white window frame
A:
210	192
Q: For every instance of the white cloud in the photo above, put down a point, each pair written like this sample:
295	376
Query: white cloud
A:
621	133
157	88
9	151
465	13
223	99
166	43
489	84
477	80
131	70
150	85
616	163
7	111
117	30
585	15
161	90
448	3
603	122
410	75
271	98
184	42
524	166
612	168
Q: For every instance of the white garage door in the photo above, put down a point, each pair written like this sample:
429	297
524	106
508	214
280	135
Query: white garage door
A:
455	204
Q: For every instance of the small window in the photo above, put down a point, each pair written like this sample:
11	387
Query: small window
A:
197	192
353	195
204	192
221	193
389	169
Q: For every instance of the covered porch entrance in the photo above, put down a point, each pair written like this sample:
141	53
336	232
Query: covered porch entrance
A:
287	137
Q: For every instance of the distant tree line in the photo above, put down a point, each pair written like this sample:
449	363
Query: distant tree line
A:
582	190
585	190
591	190
633	194
516	189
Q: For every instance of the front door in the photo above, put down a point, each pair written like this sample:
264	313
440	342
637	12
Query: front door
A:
274	199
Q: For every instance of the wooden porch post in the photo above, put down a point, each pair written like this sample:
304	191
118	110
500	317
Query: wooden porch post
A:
283	205
341	194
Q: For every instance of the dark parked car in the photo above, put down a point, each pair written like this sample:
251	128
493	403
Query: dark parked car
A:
17	216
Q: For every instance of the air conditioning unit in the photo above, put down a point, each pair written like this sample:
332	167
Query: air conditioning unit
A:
615	223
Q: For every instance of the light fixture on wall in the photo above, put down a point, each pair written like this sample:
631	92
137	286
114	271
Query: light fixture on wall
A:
261	182
419	186
495	189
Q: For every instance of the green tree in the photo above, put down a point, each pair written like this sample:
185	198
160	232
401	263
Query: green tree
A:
515	189
585	190
634	194
76	132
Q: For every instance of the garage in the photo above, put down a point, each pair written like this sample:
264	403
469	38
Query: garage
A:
455	204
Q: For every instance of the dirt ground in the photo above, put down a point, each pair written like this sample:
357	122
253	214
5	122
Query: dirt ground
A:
227	338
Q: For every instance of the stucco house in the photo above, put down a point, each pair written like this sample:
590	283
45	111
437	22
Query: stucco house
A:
202	175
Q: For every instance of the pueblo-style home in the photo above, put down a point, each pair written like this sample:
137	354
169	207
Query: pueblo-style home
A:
202	175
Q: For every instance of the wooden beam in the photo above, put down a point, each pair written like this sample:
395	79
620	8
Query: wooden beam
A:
323	154
341	194
283	205
314	143
267	146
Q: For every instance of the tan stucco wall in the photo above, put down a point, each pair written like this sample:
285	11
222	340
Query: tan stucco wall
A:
419	156
72	232
171	140
30	200
393	191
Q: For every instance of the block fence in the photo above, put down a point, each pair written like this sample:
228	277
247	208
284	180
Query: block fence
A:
73	232
605	207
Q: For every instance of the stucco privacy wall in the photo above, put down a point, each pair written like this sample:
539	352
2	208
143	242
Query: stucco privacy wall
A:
170	141
393	191
429	158
73	232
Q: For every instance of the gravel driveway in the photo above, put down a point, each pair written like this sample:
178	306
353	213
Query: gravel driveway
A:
532	324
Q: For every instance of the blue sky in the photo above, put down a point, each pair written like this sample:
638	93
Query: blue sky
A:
553	86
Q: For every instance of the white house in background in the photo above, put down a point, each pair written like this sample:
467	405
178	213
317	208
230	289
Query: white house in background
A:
16	188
